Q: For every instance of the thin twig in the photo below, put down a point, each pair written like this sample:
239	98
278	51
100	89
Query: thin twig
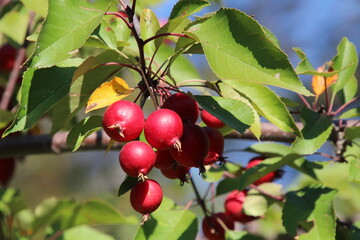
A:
277	198
165	34
307	104
341	108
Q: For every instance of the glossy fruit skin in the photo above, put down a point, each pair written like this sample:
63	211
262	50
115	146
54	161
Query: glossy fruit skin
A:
146	196
163	129
216	146
123	121
137	158
210	120
267	178
164	160
7	57
185	106
195	146
234	204
7	169
177	172
219	233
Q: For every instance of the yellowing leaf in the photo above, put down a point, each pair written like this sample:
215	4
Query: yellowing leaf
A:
108	93
319	83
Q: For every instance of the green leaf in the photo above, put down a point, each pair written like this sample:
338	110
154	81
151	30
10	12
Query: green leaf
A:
352	132
349	91
56	42
173	26
304	66
237	114
95	212
40	90
316	131
314	203
5	118
354	112
40	7
85	233
169	225
353	157
82	130
229	92
277	149
105	35
240	235
184	8
256	204
240	50
254	173
347	57
14	25
268	104
127	185
149	25
85	81
214	174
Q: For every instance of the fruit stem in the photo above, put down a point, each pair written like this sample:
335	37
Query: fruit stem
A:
165	34
198	197
277	198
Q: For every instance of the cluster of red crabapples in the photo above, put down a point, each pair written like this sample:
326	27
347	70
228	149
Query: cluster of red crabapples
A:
215	225
179	142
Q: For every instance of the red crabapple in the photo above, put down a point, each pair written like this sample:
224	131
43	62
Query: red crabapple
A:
137	158
234	204
146	197
210	120
267	178
123	121
216	146
185	106
163	129
194	147
177	172
212	227
164	160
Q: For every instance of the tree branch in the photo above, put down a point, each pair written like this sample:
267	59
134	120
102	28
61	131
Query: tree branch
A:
22	145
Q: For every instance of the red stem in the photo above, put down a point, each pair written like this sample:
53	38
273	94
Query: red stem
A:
344	106
165	34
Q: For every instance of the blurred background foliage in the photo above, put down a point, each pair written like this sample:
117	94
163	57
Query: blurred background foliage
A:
315	26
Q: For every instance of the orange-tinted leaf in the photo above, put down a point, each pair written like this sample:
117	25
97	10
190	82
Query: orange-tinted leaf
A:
108	93
319	83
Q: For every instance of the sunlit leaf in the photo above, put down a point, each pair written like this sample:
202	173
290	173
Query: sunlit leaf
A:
82	130
185	8
108	93
240	50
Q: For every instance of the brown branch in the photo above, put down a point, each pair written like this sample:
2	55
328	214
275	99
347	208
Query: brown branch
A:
22	145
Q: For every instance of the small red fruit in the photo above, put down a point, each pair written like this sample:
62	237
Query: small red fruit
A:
137	158
7	57
185	106
7	168
210	120
123	121
146	197
234	204
163	129
216	146
212	227
164	160
194	147
177	172
267	178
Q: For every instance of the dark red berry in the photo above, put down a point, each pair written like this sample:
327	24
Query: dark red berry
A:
213	229
243	218
137	158
177	172
194	147
267	178
146	197
211	120
185	106
7	169
123	121
216	146
7	57
234	204
164	160
163	129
